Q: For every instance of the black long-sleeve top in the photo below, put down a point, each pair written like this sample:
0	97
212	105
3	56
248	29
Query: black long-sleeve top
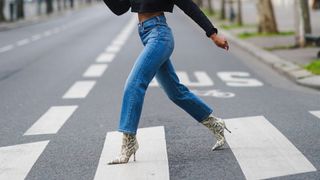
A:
120	7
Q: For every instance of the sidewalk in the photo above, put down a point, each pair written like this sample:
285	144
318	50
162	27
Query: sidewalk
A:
276	51
33	18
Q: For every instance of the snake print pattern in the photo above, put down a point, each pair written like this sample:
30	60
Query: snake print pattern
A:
217	127
129	146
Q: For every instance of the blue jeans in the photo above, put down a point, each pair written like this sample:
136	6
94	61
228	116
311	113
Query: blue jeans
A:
154	61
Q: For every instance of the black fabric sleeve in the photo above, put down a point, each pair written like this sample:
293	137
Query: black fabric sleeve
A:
118	7
194	12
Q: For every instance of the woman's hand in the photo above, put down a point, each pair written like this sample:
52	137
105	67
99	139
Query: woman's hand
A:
220	41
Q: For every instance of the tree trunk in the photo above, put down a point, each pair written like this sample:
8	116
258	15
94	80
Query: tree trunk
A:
316	4
71	4
302	19
2	4
59	7
210	7
267	20
223	10
49	4
20	9
199	3
239	17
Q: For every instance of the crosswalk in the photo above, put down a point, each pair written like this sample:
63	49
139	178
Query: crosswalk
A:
260	149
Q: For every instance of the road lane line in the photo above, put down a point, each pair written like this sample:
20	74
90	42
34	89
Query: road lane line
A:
80	89
95	70
16	161
23	42
105	57
6	48
47	33
262	150
315	113
152	160
51	121
36	37
56	30
113	48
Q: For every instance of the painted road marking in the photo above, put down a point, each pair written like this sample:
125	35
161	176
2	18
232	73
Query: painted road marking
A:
47	33
16	161
113	48
80	89
36	37
6	48
315	113
105	57
239	79
263	151
23	42
152	163
95	70
203	79
51	121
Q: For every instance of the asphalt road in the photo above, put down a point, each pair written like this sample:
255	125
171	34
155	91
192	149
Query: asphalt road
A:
40	63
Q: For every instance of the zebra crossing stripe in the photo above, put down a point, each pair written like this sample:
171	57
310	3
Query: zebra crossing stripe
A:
152	160
315	113
51	121
16	161
262	151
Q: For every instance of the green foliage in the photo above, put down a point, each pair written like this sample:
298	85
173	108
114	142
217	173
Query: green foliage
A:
247	35
236	26
314	67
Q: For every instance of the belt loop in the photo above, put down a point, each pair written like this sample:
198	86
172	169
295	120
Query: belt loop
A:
158	18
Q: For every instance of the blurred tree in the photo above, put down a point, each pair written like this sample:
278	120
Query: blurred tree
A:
71	4
316	4
49	4
2	4
20	9
239	16
199	3
267	20
223	10
210	7
59	5
302	19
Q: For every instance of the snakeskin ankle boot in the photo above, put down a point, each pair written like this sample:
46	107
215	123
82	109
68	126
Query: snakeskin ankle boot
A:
129	147
216	126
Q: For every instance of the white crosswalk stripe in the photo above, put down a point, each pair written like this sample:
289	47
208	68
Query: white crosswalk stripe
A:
315	113
16	161
152	163
262	151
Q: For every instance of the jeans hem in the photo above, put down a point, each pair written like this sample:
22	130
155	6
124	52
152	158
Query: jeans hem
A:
206	117
127	132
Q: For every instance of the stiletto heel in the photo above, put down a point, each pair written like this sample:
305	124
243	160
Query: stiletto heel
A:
129	147
134	156
225	127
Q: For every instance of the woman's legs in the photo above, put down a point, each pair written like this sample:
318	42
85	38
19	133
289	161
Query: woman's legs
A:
180	94
157	50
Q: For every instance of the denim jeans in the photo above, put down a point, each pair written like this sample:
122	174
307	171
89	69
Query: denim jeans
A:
154	61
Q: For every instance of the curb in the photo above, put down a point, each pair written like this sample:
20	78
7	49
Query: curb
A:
291	70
